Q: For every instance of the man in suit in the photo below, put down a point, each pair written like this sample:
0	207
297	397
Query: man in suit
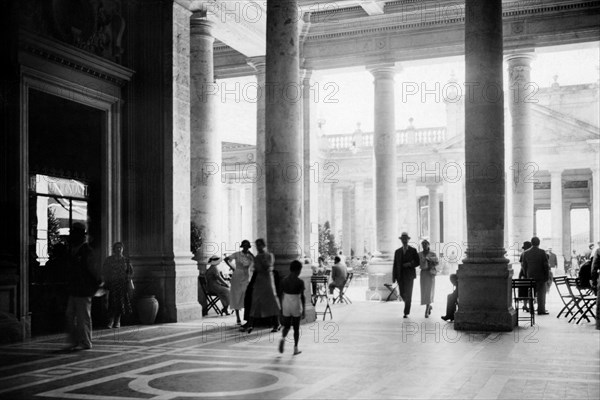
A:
535	264
406	258
83	284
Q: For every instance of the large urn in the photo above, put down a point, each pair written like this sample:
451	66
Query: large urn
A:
147	308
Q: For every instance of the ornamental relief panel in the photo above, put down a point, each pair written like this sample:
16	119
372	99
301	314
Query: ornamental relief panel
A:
96	26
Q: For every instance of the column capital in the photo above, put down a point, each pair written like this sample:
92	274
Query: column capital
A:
259	63
525	57
519	61
305	74
200	25
556	171
383	70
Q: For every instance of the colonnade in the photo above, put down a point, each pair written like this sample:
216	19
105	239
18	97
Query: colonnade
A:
284	209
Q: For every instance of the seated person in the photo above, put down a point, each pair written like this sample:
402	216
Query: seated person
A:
585	275
216	284
339	273
452	300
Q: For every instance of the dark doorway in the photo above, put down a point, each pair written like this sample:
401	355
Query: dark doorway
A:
65	161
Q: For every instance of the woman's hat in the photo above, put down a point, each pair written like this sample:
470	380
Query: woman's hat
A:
526	245
245	243
213	259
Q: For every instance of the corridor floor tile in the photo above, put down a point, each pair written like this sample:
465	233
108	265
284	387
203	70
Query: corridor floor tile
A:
367	351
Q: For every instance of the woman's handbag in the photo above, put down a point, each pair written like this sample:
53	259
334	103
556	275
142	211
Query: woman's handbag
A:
433	264
130	287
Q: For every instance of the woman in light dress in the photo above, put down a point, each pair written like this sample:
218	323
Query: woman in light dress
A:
428	263
243	261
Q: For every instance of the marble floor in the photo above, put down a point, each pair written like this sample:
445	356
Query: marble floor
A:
367	351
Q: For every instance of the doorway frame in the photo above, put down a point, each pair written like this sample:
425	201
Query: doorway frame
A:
64	71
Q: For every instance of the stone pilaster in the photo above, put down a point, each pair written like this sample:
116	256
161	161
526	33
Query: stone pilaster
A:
434	217
384	144
14	257
596	204
205	155
157	201
485	276
519	71
259	205
556	210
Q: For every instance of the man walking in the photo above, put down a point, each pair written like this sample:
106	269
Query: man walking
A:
83	283
535	264
406	258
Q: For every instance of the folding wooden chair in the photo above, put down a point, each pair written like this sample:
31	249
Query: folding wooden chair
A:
342	298
394	291
211	299
584	303
562	287
524	295
320	295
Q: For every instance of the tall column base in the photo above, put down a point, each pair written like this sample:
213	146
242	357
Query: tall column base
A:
380	273
175	286
485	298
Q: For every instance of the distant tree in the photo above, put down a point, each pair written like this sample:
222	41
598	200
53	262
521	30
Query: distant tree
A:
195	238
327	244
53	231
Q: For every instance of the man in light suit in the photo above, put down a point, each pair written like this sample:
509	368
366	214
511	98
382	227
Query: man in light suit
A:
535	264
406	258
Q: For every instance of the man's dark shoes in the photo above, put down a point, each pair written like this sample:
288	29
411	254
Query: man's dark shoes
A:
543	313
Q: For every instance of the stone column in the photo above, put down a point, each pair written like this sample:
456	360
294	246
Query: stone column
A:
283	138
556	210
452	215
595	192
347	222
413	209
566	240
485	276
310	169
384	144
359	218
205	155
434	217
259	207
519	71
386	193
337	225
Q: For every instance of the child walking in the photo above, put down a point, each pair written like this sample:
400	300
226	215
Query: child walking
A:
292	304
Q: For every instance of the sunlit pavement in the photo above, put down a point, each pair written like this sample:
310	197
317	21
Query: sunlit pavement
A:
367	351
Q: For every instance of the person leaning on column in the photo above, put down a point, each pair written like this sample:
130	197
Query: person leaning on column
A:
406	258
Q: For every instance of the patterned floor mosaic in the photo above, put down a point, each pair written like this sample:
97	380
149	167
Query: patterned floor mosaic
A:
366	351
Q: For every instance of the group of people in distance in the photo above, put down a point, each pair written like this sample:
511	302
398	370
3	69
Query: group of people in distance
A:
258	294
